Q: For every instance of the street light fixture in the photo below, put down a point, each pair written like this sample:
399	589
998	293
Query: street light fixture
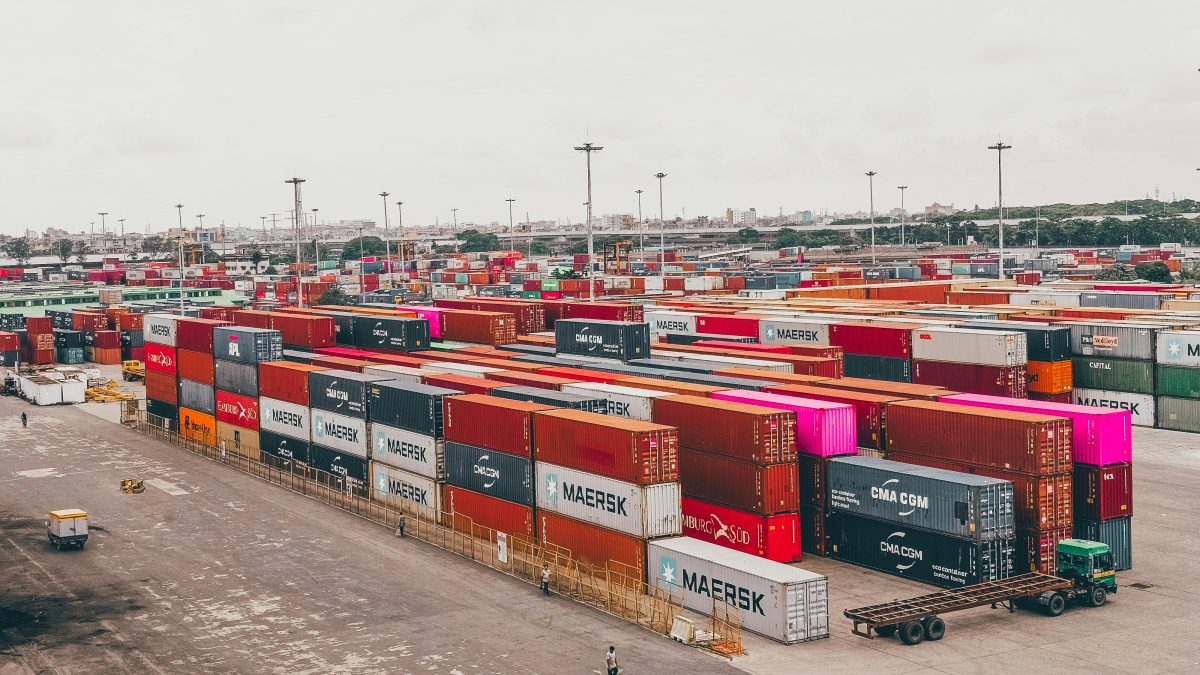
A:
871	180
387	235
179	210
641	223
1000	147
454	212
512	231
903	213
587	149
662	228
400	224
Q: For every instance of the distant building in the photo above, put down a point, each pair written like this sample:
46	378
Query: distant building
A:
740	218
936	209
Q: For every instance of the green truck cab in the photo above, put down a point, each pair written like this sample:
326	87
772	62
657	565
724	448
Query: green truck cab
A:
1089	566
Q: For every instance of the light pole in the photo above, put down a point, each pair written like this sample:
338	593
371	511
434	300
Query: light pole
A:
454	212
641	223
512	231
903	213
400	225
123	242
296	216
179	210
264	227
1037	227
662	232
871	181
387	235
587	149
1000	147
102	214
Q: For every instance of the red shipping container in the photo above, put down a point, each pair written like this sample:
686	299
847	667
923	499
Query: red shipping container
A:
285	381
39	324
770	376
240	411
530	379
162	387
9	342
107	339
41	341
630	450
1065	397
81	320
1010	381
304	331
161	358
1103	492
893	340
219	313
444	356
761	488
339	363
870	410
669	386
772	537
915	392
740	326
1038	445
593	544
489	422
579	374
489	328
483	515
1034	550
42	357
512	366
195	366
137	353
751	347
463	383
131	321
747	432
196	334
253	318
394	360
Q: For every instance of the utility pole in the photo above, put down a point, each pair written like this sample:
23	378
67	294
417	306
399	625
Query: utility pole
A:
1037	227
299	209
641	223
587	149
1000	147
387	235
102	223
179	210
530	224
123	242
903	213
264	227
871	181
362	287
662	241
512	231
455	231
400	224
273	222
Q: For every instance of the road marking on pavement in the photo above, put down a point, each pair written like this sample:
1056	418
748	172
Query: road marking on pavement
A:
169	488
39	473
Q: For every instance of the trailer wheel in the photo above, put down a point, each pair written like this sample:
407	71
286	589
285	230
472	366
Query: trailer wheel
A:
1098	596
935	628
1056	604
81	544
912	632
885	631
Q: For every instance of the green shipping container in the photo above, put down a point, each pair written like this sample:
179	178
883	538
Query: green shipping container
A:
877	367
1113	374
328	265
531	295
1177	381
549	284
448	345
1180	414
462	278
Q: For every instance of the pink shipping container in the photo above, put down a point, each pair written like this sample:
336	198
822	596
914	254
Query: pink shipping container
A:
1099	436
822	428
431	314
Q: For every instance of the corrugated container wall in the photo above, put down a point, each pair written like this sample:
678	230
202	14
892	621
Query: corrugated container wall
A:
644	511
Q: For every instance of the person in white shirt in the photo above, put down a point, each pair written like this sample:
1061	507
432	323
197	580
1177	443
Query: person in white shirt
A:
610	661
546	579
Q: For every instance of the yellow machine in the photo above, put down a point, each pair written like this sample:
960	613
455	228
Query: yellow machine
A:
132	486
616	257
107	393
133	371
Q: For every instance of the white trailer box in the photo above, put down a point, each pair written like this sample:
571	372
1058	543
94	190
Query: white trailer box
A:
644	511
464	369
962	345
666	321
630	402
408	450
797	331
736	362
160	329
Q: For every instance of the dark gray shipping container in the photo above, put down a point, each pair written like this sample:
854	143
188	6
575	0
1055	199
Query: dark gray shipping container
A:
552	397
68	339
1115	339
622	340
1121	300
351	469
200	397
877	367
165	415
913	553
340	391
240	378
343	328
298	356
245	344
689	338
1117	533
489	472
1046	343
408	405
133	338
394	333
673	364
958	504
716	380
540	350
283	447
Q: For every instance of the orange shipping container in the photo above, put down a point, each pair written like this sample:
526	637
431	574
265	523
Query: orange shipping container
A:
1050	377
197	425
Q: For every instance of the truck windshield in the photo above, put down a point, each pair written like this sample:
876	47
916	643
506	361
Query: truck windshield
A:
1104	561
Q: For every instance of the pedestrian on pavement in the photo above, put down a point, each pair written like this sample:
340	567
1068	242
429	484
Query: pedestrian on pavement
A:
545	579
610	660
24	421
400	526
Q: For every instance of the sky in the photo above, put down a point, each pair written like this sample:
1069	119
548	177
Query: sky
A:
132	107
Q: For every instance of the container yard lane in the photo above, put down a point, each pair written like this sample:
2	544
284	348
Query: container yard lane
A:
210	570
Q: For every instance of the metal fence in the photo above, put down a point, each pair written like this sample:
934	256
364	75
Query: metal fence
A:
615	588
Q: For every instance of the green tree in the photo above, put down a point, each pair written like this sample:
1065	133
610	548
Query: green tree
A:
565	273
361	247
82	250
1117	272
333	296
19	249
270	270
475	242
256	257
315	250
539	248
155	244
62	248
1154	271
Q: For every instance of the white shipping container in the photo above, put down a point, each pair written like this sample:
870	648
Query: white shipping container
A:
285	418
961	345
763	294
630	402
1140	406
160	329
340	432
777	601
73	390
665	321
738	362
798	331
133	275
420	454
619	282
465	369
653	283
403	489
644	511
1178	348
1065	299
40	390
402	373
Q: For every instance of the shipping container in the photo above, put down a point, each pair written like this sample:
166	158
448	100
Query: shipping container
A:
234	439
498	474
1103	492
162	387
877	367
629	450
1140	406
404	490
393	333
489	328
609	339
490	422
239	378
891	340
285	418
794	331
1178	414
414	407
920	555
664	321
949	502
983	347
1089	372
822	428
775	537
761	488
620	401
753	433
408	450
484	516
1043	342
285	381
1116	533
393	372
161	359
906	390
529	379
1011	381
237	410
159	329
870	410
470	385
348	473
1178	348
1004	439
814	529
162	413
592	544
340	391
1176	381
283	447
247	345
1036	550
198	425
343	433
738	326
1050	377
196	366
783	603
197	396
644	511
549	397
196	334
304	331
1117	340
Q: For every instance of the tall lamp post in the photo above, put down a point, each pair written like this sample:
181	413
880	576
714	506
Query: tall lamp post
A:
296	216
455	231
903	213
179	210
387	236
512	232
123	242
400	224
587	149
871	180
662	232
641	223
1000	147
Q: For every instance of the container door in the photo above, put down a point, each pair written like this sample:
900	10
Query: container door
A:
797	613
817	607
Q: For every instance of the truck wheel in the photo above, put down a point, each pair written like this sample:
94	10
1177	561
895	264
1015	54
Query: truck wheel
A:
912	632
1098	596
81	544
885	631
1056	605
935	628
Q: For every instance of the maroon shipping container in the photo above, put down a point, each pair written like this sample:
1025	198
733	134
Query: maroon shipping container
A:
39	324
301	330
42	357
530	379
489	422
339	363
593	544
469	385
285	381
749	432
1103	492
1037	445
761	488
1034	550
196	334
9	342
195	366
603	311
970	378
81	320
489	328
162	387
879	338
870	410
253	318
716	324
530	317
1039	502
107	339
916	392
131	321
484	515
630	450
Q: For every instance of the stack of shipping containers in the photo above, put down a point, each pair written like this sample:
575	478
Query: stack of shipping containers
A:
1114	366
976	361
407	446
877	350
1177	380
285	420
237	351
197	379
162	370
340	446
1049	364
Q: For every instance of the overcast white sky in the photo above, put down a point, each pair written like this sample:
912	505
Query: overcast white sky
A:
130	107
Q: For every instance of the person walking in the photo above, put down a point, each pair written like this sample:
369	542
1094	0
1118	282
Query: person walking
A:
24	421
400	525
545	579
610	661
